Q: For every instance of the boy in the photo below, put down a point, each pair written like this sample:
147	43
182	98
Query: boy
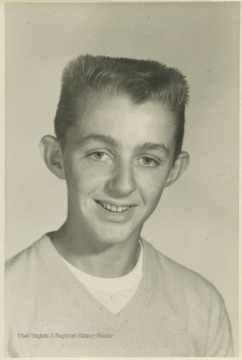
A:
95	287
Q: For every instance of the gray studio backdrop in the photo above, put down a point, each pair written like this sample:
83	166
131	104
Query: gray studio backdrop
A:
196	222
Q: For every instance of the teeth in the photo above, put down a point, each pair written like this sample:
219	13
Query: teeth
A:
114	208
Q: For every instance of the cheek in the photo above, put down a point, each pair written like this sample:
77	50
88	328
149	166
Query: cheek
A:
154	196
151	188
82	180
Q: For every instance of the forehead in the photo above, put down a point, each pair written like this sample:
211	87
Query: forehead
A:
128	123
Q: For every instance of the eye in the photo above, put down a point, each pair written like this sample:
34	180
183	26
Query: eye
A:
99	156
148	161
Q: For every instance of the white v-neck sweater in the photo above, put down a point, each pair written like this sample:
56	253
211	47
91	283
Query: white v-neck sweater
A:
174	312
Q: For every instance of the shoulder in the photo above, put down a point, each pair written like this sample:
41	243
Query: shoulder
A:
28	278
189	296
178	279
26	262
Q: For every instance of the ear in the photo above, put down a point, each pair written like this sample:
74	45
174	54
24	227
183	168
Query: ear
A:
178	168
52	154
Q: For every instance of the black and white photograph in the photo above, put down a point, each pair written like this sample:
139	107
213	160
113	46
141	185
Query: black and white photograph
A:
121	179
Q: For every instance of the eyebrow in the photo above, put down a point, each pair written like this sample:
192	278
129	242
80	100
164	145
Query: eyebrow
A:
98	137
154	146
110	141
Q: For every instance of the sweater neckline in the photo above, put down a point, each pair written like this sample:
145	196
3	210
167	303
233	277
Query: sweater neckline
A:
63	278
121	283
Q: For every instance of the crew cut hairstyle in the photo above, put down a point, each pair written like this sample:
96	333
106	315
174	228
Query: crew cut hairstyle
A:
142	80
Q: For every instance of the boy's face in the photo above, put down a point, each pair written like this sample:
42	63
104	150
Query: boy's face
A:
116	161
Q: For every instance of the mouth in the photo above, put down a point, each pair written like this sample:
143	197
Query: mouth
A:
113	208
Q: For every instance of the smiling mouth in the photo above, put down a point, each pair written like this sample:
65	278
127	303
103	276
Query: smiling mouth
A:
113	208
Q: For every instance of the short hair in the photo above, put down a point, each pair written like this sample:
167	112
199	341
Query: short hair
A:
141	80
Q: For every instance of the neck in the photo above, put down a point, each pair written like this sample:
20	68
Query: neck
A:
94	257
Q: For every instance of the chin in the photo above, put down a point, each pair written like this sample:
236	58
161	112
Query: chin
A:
112	235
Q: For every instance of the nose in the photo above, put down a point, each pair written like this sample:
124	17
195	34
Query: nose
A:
121	182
